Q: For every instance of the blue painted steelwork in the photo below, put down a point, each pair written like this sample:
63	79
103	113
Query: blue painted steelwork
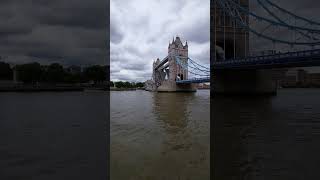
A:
232	9
197	69
290	59
241	8
292	14
195	80
281	60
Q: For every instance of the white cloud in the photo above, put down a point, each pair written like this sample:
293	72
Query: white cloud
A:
142	29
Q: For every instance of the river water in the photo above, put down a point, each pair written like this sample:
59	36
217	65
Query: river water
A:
160	135
267	137
53	136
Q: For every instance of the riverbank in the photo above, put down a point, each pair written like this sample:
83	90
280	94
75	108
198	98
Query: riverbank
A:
298	87
30	88
39	89
122	89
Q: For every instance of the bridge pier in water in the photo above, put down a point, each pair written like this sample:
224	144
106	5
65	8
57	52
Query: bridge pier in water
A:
172	86
231	42
244	81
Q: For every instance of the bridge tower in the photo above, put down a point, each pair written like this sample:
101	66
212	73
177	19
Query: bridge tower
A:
176	48
231	42
170	72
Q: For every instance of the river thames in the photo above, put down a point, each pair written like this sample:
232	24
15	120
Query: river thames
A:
50	135
160	135
166	135
267	137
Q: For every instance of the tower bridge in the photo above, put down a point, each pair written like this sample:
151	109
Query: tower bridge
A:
290	39
177	72
290	42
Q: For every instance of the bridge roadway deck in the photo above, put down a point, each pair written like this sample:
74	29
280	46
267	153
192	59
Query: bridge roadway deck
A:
162	63
282	60
195	80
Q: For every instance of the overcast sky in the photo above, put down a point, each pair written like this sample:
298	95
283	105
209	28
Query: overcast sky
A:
305	8
141	31
71	32
74	32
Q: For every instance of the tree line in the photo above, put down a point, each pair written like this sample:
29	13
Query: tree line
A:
53	73
126	84
56	73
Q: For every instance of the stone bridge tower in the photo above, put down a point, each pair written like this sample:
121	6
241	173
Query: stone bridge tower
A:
230	40
168	71
176	48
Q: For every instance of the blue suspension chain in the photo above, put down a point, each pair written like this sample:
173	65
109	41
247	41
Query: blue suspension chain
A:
269	20
185	68
280	20
292	14
245	26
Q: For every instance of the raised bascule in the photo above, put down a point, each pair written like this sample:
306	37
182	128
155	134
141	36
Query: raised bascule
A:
172	73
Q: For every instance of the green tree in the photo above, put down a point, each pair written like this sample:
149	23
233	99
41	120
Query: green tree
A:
127	84
55	73
119	84
96	73
72	78
140	84
29	73
5	71
111	84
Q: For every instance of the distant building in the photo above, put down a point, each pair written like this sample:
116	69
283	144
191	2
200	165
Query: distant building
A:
300	78
203	86
314	79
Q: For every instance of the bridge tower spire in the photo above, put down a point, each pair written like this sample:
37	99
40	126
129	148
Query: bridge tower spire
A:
180	50
172	70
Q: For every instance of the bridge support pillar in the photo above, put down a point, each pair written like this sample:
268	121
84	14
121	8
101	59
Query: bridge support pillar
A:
172	86
242	82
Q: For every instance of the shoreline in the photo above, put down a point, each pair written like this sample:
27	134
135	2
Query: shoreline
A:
40	89
85	88
60	89
124	89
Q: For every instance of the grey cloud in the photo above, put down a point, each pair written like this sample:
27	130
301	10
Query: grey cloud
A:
142	30
134	67
73	31
199	34
115	35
